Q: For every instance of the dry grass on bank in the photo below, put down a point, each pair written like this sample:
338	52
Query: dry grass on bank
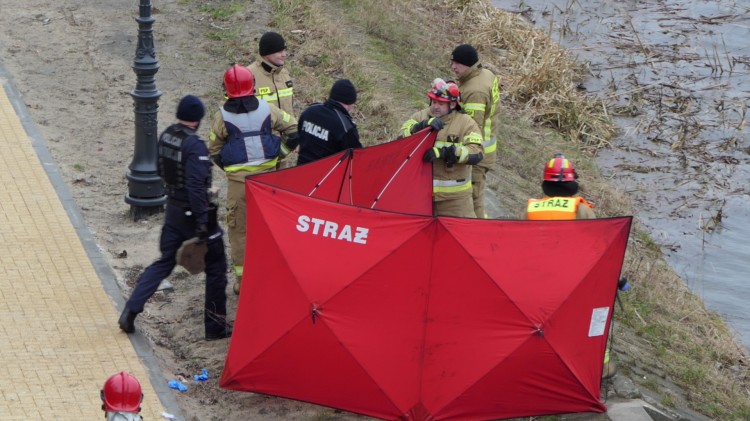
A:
538	75
393	49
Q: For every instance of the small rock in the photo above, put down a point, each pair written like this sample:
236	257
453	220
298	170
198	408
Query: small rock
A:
625	388
312	61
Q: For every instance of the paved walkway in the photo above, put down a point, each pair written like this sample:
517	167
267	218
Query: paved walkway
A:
59	339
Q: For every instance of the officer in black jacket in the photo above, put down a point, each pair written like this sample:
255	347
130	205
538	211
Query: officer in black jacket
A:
186	169
328	128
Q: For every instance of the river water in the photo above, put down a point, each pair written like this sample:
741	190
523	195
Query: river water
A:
677	75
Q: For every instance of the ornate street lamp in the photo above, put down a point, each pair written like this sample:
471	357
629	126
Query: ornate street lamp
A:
146	194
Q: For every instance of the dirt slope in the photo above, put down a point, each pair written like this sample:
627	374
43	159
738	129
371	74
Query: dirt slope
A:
72	61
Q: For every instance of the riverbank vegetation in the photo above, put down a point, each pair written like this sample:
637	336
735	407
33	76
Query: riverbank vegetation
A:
665	340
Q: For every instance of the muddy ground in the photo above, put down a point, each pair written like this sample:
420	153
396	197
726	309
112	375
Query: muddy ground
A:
71	62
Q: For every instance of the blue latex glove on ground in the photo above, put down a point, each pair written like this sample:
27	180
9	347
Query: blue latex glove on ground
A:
174	384
201	377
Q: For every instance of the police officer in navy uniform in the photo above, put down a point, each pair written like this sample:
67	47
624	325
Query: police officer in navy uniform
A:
185	166
328	128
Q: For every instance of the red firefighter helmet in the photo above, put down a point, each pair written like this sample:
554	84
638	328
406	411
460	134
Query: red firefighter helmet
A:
239	81
122	393
559	169
443	91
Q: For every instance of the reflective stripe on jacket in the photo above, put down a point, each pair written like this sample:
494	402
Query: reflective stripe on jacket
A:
250	143
480	95
555	208
463	133
265	119
274	84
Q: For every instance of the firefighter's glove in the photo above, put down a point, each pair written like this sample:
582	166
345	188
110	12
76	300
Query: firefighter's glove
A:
292	141
432	154
201	231
418	126
449	152
436	124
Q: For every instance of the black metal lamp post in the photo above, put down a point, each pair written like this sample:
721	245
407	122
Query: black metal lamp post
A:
146	194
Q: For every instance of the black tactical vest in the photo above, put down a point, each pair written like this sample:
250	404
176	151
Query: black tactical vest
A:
170	165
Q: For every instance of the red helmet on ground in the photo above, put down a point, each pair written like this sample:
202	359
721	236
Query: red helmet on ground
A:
559	169
443	91
122	393
239	81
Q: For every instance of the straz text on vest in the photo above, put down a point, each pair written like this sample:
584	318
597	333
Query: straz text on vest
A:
556	203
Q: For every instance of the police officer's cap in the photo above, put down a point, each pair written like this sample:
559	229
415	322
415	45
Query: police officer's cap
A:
190	109
343	91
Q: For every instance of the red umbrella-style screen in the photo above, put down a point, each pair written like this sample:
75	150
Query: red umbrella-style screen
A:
390	176
402	316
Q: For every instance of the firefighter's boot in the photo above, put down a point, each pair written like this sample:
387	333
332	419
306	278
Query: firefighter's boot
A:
609	369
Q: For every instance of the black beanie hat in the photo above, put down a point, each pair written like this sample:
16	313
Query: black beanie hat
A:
190	109
344	92
465	54
271	42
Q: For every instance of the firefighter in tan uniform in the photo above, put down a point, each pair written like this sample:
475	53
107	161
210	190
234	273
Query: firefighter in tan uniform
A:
272	80
559	187
458	146
243	142
480	95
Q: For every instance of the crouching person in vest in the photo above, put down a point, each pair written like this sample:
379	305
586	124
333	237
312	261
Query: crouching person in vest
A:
559	187
458	146
242	143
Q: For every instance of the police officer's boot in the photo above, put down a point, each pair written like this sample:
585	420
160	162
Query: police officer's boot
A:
127	320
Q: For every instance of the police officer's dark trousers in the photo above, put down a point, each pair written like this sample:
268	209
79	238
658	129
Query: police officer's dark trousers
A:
179	227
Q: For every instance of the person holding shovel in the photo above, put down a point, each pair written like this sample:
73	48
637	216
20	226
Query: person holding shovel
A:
185	167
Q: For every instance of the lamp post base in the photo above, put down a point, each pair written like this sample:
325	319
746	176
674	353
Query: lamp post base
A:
143	208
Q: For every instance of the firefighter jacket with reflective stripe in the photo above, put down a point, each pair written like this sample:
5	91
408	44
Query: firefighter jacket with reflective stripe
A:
559	208
274	84
462	132
480	97
325	129
245	140
184	165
